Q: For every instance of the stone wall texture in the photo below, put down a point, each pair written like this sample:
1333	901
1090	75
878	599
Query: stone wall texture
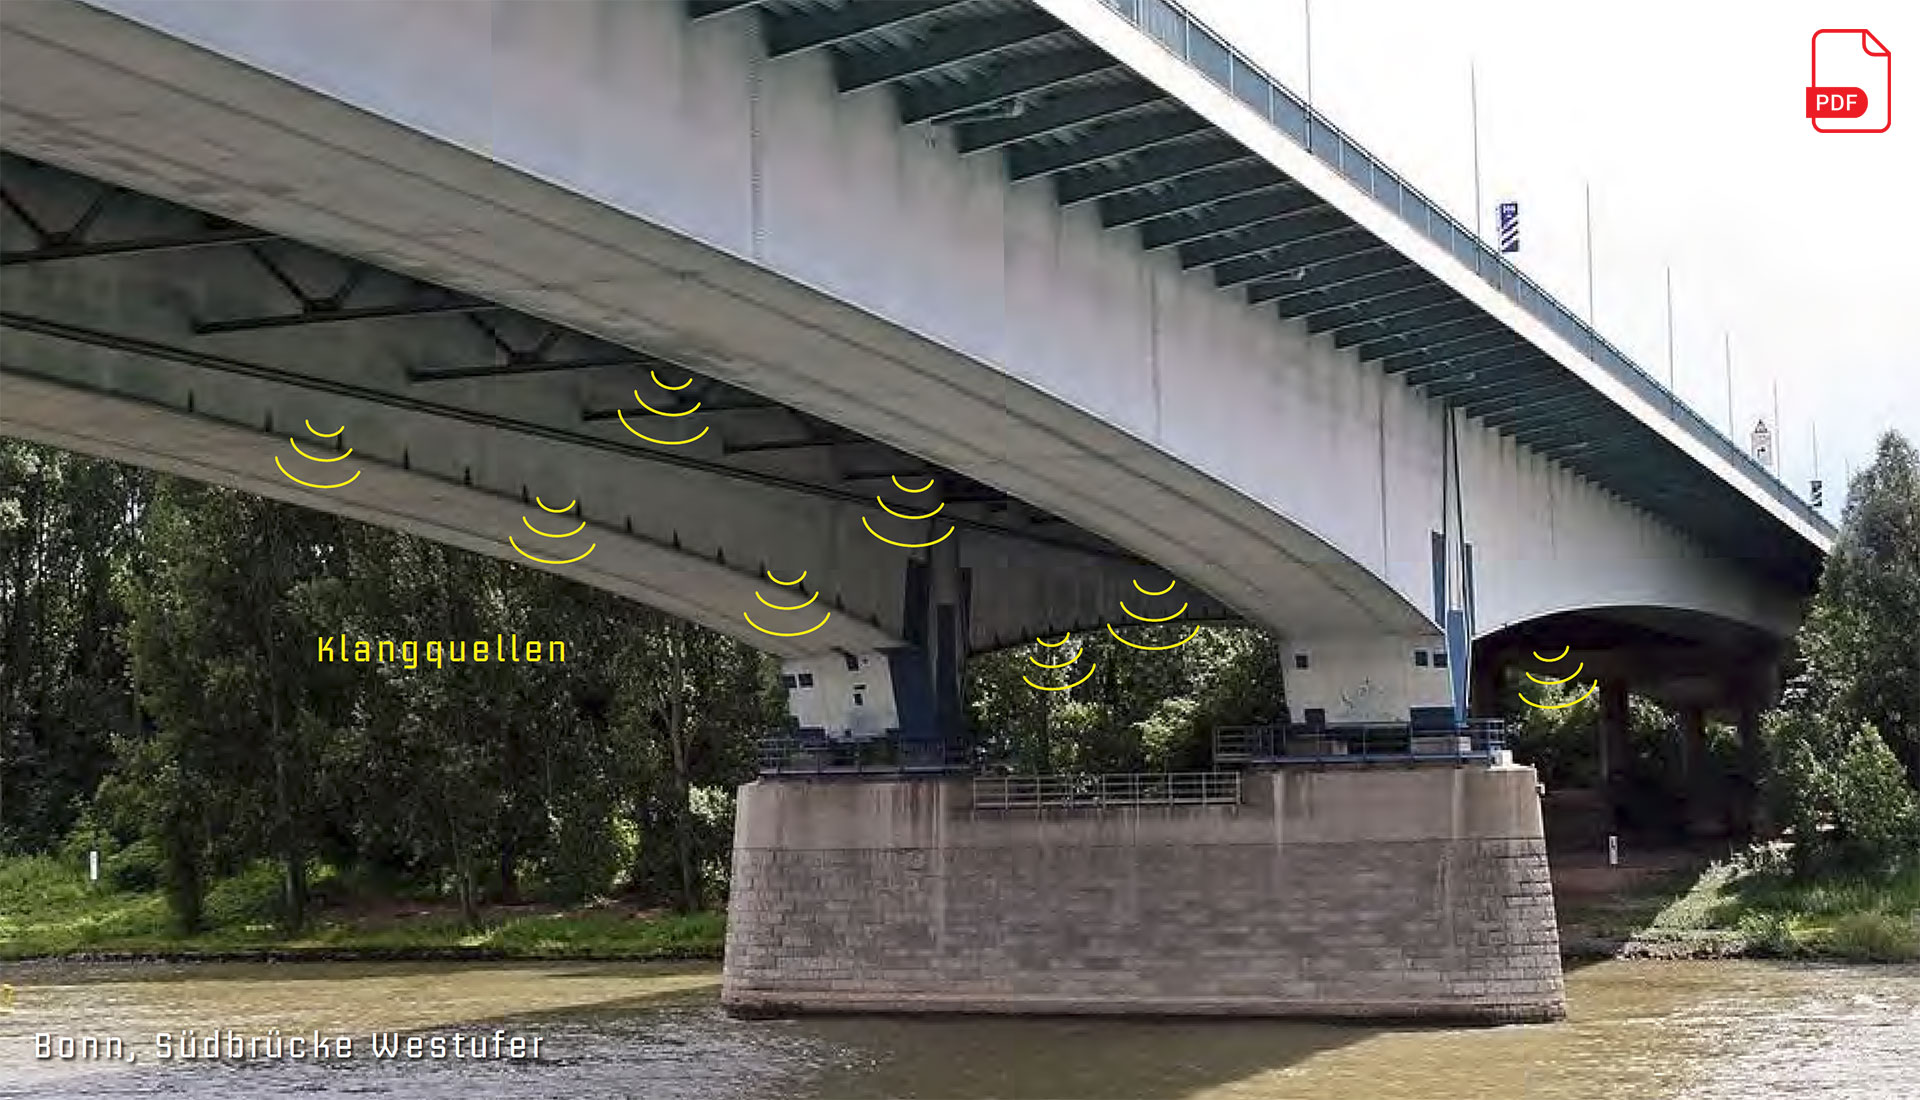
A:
1377	894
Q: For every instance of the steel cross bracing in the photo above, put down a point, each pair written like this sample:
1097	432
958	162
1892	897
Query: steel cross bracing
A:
1010	79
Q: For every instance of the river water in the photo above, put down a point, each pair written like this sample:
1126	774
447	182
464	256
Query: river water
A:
1637	1031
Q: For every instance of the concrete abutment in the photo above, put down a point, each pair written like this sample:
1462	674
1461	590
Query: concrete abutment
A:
1377	893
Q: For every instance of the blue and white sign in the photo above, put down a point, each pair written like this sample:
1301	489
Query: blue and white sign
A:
1509	222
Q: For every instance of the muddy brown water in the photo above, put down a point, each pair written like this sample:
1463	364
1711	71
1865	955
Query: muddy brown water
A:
1636	1031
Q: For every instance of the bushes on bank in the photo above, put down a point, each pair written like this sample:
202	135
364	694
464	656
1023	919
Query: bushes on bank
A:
1875	937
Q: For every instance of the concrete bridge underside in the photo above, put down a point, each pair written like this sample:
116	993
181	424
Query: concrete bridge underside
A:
170	339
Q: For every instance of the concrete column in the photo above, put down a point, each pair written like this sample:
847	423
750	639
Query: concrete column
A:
1694	777
930	670
1751	814
1376	893
1613	748
946	642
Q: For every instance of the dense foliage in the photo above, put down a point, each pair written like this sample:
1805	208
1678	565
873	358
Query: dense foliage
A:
161	698
1137	711
1845	744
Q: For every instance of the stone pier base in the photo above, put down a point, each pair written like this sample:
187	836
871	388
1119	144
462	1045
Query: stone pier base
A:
1384	893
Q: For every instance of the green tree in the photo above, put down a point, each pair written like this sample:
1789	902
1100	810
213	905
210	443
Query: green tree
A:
1138	709
1845	744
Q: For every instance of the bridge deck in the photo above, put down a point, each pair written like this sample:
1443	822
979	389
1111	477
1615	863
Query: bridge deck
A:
1063	94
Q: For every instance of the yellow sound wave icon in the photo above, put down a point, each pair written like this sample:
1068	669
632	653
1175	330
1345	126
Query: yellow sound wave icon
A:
1561	680
518	549
551	561
903	515
310	458
1584	696
786	607
1073	660
889	509
903	545
794	634
1561	706
664	386
1164	619
549	534
662	412
650	439
808	602
1136	616
1136	645
1063	687
335	434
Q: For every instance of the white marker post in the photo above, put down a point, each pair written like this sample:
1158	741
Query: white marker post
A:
93	865
1613	850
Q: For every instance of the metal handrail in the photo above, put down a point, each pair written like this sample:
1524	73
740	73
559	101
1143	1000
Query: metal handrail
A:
1072	791
790	753
1176	30
1358	743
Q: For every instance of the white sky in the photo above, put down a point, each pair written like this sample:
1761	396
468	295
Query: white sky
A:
1686	118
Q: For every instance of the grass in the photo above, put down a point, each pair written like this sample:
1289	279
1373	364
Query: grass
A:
1859	918
1752	906
48	909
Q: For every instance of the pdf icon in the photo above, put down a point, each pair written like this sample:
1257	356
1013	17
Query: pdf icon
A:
1852	83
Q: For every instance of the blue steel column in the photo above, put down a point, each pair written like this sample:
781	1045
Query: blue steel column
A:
929	672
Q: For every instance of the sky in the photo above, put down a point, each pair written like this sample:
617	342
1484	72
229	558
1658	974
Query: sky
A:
1799	251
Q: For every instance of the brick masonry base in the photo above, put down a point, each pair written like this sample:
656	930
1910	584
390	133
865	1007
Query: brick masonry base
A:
1413	893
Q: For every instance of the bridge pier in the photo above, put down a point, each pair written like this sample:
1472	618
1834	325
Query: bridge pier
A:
1380	893
1614	749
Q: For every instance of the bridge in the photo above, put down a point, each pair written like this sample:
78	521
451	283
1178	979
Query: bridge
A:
975	318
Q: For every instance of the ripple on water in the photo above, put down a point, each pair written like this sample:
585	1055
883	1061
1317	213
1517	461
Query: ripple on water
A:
1637	1031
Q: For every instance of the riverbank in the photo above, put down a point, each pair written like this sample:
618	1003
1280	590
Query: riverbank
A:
48	911
1671	905
1680	905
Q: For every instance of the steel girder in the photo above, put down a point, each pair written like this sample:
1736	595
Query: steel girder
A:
1197	191
1367	283
1430	332
1355	326
1164	164
1306	221
1226	215
1342	274
1064	110
1102	142
1011	80
796	33
854	69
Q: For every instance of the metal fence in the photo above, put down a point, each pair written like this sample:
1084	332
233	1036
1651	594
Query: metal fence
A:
1186	38
1361	743
1019	792
788	753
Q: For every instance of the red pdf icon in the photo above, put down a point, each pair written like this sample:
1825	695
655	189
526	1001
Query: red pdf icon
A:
1852	91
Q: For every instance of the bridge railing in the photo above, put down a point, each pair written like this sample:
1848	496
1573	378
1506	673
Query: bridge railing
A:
790	753
1188	39
1359	743
1018	792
